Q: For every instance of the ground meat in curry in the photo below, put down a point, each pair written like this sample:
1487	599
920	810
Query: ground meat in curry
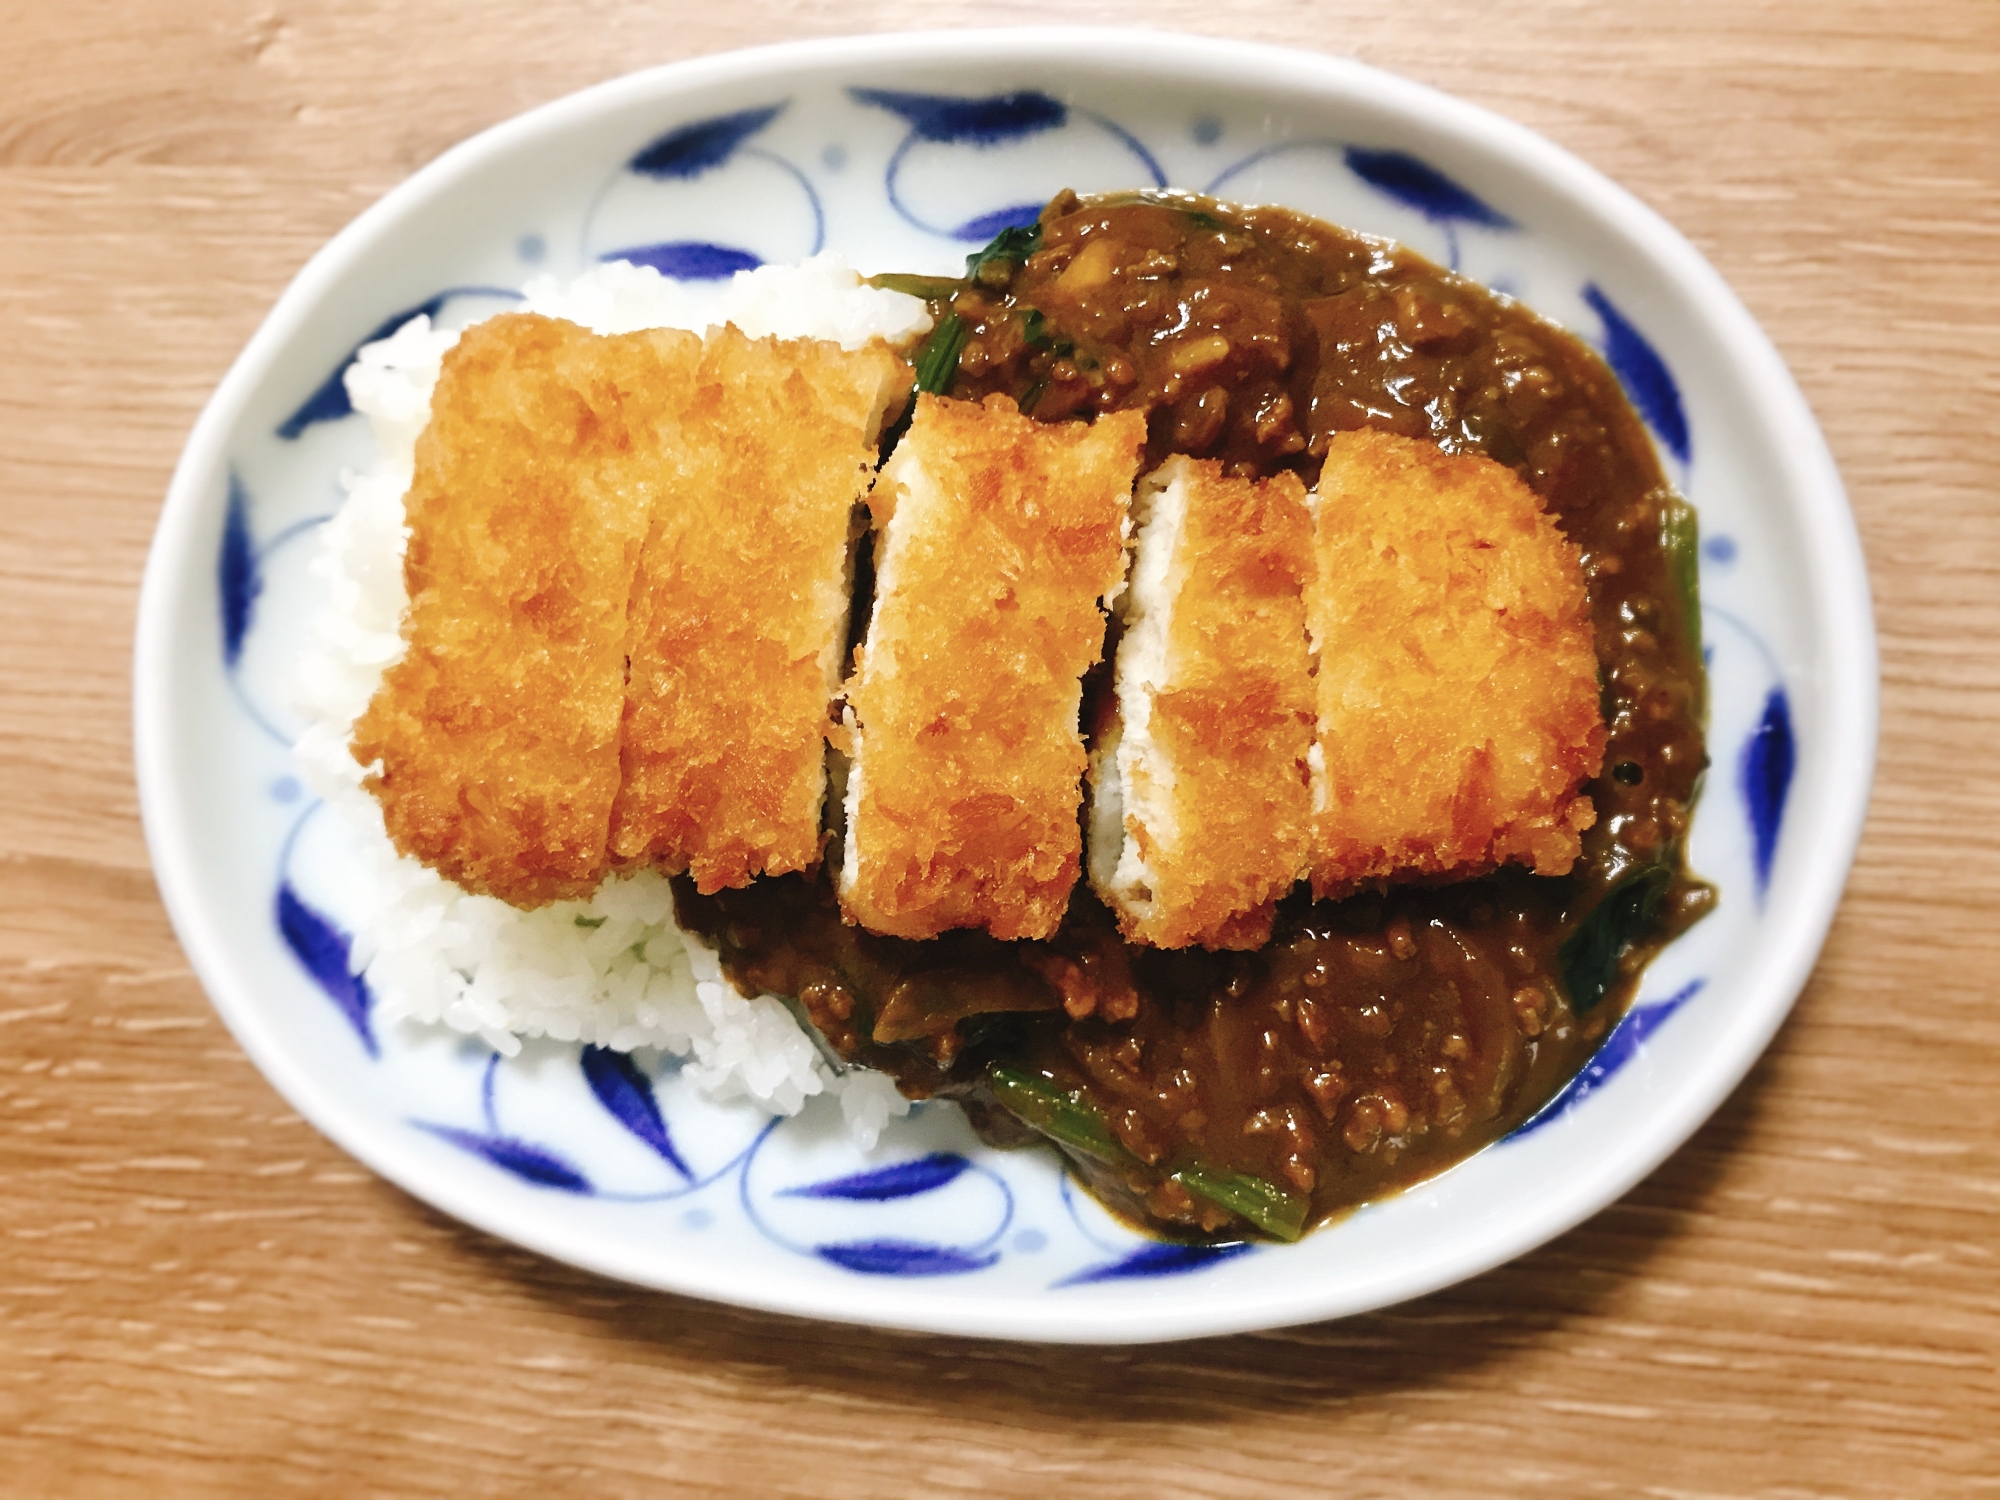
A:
1375	1040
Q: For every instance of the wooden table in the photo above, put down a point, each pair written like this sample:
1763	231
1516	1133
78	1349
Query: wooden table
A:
199	1295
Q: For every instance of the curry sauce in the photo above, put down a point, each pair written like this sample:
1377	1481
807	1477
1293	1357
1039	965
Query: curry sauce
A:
1374	1040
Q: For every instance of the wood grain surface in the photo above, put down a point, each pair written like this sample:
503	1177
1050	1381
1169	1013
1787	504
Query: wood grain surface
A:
199	1295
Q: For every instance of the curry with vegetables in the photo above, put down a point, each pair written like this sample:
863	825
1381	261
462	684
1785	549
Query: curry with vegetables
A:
1377	1039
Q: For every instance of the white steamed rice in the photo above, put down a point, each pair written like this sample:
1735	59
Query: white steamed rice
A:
614	971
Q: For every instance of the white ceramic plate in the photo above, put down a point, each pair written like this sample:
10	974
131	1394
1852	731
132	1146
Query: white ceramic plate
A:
905	152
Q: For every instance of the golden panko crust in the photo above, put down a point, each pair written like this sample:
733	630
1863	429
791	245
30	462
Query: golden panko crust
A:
498	730
1002	537
1457	680
739	615
1232	722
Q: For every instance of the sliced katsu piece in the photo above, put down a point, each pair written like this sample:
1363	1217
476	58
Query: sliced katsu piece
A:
1201	810
1457	687
740	609
999	541
497	731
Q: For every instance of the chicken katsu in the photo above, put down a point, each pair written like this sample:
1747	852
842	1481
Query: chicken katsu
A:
587	683
1457	680
728	688
1200	803
1001	541
497	734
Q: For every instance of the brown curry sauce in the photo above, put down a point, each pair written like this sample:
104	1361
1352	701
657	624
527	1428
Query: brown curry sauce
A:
1375	1040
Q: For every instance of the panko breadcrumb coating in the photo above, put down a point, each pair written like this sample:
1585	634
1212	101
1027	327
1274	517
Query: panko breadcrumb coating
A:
498	730
1458	712
740	610
1201	806
999	540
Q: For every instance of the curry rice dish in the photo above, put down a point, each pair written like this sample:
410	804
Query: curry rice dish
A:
1391	751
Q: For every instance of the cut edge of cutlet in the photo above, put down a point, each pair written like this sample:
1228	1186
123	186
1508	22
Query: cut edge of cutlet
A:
1130	807
906	495
1199	701
838	754
1480	719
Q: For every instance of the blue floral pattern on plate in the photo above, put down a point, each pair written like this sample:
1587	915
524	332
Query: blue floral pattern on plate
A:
982	123
678	159
1644	375
689	152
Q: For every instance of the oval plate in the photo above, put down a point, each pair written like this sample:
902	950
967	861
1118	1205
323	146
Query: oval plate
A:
905	152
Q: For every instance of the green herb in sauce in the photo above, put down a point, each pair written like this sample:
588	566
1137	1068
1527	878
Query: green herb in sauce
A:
1280	1214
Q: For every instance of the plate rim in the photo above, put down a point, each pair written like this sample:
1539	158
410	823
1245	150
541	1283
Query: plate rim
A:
1834	572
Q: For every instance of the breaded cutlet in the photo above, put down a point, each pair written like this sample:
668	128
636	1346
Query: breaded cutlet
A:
740	608
1457	678
999	539
497	731
1201	811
